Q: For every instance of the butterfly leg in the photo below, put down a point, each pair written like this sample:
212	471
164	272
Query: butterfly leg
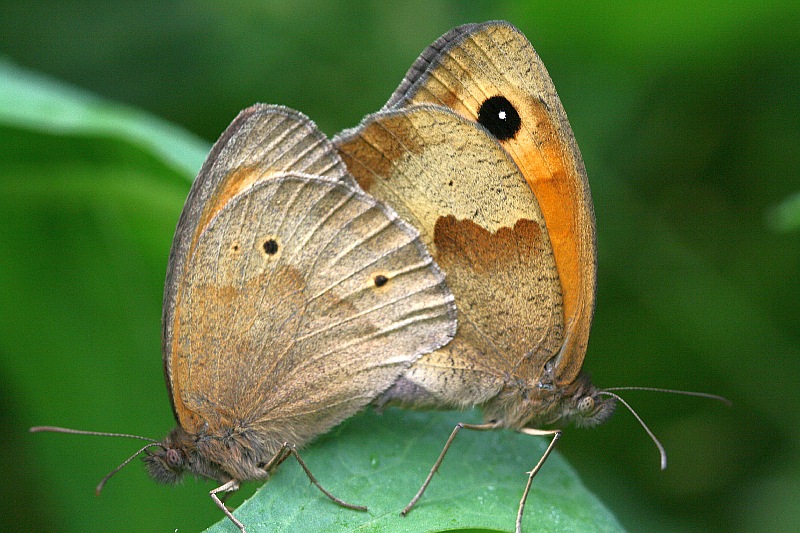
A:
230	486
288	450
459	427
556	434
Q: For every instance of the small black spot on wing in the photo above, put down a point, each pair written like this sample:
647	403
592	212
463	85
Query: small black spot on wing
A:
270	246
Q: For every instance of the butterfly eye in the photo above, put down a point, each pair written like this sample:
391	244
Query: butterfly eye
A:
500	117
586	404
173	458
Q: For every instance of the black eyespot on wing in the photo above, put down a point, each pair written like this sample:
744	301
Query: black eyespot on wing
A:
271	247
380	280
500	117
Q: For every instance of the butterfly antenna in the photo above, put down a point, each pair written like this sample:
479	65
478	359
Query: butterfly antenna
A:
54	429
151	442
683	392
121	466
661	450
660	447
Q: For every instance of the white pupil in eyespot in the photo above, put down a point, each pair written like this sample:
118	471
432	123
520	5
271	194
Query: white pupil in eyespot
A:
501	115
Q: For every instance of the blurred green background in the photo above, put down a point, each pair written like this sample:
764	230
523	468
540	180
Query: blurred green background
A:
688	118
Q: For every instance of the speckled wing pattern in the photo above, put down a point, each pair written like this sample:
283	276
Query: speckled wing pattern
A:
484	228
476	62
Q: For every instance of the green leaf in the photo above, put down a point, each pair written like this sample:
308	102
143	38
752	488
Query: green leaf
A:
381	460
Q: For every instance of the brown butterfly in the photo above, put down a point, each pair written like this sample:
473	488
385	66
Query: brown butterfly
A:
292	299
475	150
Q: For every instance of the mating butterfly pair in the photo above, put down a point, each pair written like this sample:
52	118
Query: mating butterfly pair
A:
440	255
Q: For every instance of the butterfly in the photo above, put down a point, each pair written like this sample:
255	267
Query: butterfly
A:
474	149
292	299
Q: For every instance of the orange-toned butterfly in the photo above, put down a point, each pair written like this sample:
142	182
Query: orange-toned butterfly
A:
474	149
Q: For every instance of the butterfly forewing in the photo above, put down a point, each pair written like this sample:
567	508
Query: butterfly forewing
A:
495	62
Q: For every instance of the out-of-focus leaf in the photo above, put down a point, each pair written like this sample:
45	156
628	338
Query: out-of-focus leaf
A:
35	102
785	217
90	193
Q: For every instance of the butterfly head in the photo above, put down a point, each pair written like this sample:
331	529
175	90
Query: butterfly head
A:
586	406
241	455
168	462
177	454
579	402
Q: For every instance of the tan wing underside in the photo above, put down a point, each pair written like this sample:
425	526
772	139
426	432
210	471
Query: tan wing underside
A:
473	63
483	226
262	141
291	343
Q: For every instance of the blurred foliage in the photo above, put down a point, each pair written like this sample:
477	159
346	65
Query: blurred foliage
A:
786	215
687	117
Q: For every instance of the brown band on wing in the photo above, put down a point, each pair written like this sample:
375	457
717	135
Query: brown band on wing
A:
547	164
505	292
484	251
496	59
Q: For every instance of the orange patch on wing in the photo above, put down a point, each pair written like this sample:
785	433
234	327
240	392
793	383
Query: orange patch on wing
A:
560	196
548	167
233	184
545	168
